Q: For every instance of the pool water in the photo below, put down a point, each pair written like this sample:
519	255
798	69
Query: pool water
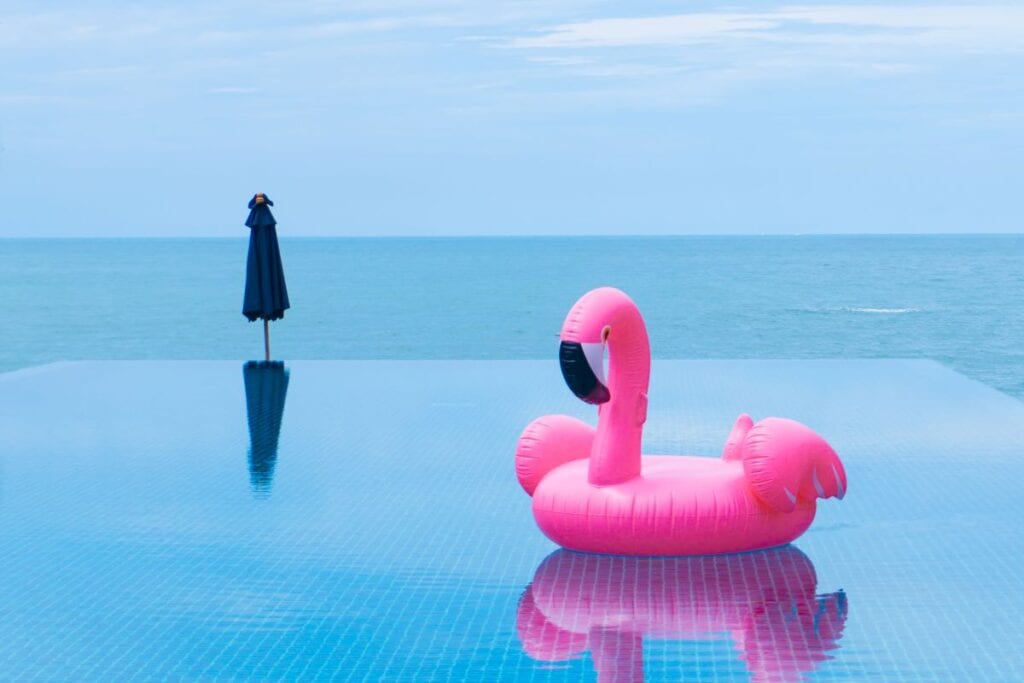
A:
361	521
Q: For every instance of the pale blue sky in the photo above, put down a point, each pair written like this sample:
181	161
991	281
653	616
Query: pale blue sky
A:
423	117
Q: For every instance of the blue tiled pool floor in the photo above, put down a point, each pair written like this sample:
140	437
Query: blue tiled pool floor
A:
361	521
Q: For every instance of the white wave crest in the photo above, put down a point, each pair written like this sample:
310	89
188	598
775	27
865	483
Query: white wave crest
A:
890	311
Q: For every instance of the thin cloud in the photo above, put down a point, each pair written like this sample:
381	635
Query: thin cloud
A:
991	27
28	98
232	90
662	30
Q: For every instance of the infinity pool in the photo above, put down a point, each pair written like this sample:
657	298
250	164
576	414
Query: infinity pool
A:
361	521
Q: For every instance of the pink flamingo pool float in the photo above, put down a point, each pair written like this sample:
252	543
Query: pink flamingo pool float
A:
593	491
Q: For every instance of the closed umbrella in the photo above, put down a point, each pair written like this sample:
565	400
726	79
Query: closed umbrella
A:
266	295
266	386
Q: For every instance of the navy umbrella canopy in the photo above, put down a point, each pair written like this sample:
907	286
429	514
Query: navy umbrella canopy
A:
266	386
266	295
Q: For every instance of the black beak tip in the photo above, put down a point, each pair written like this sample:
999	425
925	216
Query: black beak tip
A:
599	395
579	376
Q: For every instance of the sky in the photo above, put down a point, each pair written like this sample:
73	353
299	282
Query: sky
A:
510	117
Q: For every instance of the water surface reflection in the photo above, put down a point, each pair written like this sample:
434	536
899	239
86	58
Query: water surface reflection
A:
266	386
764	601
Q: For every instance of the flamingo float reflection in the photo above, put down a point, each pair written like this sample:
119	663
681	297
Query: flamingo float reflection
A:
764	601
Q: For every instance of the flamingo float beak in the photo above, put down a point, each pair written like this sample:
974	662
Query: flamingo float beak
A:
583	370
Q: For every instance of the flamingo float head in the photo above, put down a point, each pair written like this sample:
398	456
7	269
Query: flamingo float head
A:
603	318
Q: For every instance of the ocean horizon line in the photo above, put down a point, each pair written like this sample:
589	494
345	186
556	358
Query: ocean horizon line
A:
528	236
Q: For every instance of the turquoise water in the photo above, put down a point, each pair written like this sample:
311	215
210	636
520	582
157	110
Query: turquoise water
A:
213	520
956	299
361	521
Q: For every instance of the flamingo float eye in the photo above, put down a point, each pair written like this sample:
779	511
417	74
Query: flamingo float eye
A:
583	370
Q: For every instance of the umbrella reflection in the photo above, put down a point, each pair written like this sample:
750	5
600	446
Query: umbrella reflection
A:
266	385
764	601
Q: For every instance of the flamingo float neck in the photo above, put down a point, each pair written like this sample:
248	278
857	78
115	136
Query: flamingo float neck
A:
607	316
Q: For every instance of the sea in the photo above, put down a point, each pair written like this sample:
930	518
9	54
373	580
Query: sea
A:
954	298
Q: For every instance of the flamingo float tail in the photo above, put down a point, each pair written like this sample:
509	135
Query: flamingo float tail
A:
548	442
787	463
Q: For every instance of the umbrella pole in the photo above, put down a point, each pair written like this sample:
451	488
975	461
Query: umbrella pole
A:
266	338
